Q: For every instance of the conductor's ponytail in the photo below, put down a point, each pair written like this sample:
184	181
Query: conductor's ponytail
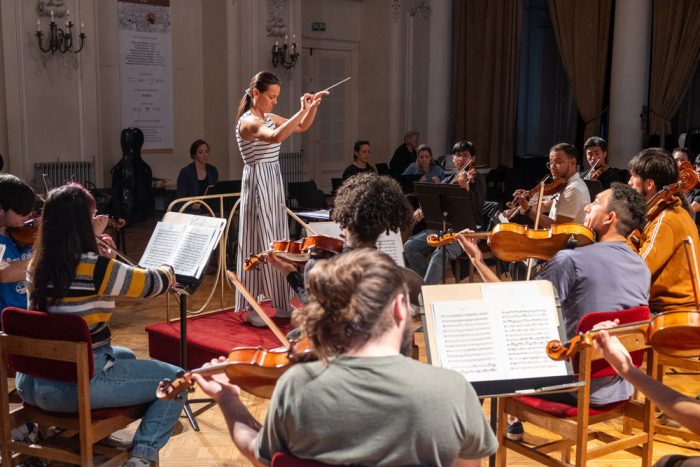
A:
261	81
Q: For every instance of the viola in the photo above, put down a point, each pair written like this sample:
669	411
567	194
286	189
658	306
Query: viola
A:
675	333
25	236
515	242
550	188
297	252
253	369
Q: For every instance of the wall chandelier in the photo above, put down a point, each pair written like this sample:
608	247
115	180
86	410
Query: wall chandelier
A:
286	55
60	40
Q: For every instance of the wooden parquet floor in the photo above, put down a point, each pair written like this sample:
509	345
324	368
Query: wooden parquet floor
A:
212	445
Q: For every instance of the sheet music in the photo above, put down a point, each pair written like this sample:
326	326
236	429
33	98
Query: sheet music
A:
494	339
185	244
390	243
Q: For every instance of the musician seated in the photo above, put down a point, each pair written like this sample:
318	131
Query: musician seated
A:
674	404
425	166
603	276
16	204
425	260
364	402
662	242
366	206
596	149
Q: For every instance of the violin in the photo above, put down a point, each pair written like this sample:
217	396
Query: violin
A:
297	252
550	188
596	174
253	369
515	242
675	333
25	236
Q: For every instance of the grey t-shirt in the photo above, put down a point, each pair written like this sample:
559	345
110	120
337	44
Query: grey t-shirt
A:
605	276
375	411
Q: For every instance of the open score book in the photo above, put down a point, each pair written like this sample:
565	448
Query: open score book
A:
183	241
495	334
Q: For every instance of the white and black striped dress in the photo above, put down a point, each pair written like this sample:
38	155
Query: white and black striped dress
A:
262	217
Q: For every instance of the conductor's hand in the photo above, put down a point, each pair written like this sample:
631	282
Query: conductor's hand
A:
469	246
282	265
217	386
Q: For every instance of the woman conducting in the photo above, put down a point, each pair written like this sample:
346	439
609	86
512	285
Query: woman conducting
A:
262	211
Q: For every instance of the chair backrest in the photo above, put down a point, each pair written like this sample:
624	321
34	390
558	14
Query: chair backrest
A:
48	326
284	459
601	368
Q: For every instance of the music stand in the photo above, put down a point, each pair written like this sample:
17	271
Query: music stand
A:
445	207
407	182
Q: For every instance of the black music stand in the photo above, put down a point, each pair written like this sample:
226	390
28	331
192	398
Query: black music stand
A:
223	187
446	207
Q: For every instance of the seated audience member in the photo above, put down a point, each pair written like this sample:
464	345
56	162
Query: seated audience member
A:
70	273
425	166
672	403
364	402
425	260
603	276
596	150
366	206
404	154
16	204
693	196
662	242
194	178
361	152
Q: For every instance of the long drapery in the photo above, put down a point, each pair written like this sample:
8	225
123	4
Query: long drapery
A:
485	76
675	52
582	29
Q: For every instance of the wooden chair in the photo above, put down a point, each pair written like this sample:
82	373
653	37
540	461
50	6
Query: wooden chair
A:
57	347
575	423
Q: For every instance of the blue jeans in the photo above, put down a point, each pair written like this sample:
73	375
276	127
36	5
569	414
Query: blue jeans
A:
119	380
416	250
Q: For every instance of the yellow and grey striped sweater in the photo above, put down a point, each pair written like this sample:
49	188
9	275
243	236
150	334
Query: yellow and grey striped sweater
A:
98	280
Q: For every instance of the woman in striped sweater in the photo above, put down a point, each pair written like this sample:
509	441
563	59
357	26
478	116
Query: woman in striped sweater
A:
263	219
67	275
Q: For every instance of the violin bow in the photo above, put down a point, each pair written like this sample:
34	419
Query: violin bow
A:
249	297
301	222
537	224
590	172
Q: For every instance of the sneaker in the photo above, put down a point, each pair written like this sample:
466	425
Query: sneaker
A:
665	420
118	440
515	432
137	462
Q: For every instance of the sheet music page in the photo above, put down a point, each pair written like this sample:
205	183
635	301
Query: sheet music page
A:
193	252
497	338
391	244
330	229
162	245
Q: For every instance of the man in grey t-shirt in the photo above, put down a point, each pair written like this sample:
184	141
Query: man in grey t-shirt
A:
364	402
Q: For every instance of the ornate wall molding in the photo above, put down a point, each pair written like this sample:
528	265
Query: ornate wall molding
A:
275	18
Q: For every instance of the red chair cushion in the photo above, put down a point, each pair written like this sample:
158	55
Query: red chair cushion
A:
560	410
97	414
210	336
53	326
283	459
601	368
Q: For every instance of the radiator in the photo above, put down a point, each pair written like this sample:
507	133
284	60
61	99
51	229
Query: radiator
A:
292	167
48	175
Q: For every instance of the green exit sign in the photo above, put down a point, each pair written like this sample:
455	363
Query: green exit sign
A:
318	26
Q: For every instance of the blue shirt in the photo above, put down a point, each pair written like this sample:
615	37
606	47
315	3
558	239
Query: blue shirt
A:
13	293
435	171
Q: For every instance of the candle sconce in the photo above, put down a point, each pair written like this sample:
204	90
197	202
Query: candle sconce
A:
286	55
60	40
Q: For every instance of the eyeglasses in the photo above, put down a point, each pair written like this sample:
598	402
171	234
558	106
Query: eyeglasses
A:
557	163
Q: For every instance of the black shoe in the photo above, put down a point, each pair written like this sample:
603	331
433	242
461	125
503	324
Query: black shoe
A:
515	432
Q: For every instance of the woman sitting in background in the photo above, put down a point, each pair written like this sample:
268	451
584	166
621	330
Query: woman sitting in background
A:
69	274
360	157
194	178
425	166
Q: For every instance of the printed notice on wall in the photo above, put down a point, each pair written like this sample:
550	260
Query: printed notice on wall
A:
145	71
